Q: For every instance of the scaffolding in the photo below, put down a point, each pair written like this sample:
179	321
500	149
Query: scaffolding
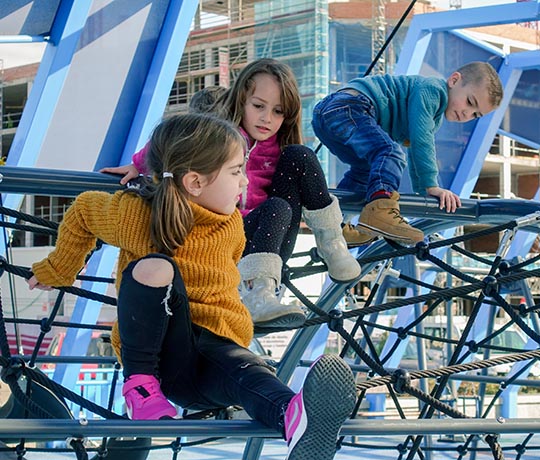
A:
378	36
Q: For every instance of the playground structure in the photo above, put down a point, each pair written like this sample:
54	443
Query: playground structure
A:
136	97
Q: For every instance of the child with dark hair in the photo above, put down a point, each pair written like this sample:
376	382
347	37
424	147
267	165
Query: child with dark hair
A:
366	123
182	330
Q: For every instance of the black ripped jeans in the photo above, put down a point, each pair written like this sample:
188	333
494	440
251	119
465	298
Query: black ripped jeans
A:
198	370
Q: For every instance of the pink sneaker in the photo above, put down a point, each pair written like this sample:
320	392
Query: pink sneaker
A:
314	416
144	399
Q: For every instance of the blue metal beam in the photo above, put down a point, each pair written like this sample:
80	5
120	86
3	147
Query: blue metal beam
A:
424	25
486	128
163	69
50	78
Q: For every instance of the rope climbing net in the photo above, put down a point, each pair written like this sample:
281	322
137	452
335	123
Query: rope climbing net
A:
462	396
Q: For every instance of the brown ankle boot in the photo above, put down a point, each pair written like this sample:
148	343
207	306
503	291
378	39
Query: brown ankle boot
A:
382	217
355	236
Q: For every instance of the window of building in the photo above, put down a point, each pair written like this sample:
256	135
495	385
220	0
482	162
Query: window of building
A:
192	61
50	208
178	93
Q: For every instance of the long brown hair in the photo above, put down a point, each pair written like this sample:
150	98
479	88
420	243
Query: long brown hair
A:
194	142
232	104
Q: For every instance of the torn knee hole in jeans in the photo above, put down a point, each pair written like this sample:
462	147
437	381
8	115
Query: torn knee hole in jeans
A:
165	301
262	364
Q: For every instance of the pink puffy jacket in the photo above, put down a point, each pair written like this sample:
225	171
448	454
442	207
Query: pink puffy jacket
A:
261	162
138	159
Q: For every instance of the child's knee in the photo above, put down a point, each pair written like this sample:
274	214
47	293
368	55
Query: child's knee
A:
298	152
154	272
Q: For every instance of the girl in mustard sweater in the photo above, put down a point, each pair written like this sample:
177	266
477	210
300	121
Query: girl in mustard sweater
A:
286	183
182	329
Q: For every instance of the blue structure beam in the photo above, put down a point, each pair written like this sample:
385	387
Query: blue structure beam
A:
157	87
423	26
47	87
102	84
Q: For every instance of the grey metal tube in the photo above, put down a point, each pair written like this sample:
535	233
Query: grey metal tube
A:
47	429
36	181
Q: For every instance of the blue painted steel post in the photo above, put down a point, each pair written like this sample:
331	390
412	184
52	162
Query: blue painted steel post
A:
164	66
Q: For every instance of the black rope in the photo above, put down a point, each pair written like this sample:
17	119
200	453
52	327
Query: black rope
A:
28	218
396	382
78	446
29	228
27	274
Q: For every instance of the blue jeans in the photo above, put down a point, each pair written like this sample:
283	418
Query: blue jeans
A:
347	125
198	369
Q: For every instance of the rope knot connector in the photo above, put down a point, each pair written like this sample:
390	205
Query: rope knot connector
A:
472	345
44	325
491	286
422	250
314	255
401	379
335	322
13	370
505	267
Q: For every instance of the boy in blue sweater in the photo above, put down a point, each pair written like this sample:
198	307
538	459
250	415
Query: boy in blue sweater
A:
366	123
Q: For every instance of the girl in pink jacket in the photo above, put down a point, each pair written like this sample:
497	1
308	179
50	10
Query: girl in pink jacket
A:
286	182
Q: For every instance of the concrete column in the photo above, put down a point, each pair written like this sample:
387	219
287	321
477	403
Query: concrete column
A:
505	176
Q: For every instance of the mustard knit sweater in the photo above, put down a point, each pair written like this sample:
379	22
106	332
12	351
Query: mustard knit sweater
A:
207	259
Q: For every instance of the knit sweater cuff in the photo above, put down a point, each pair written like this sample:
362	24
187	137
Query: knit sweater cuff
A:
46	275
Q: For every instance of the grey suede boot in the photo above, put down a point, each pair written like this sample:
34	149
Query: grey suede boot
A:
325	224
261	276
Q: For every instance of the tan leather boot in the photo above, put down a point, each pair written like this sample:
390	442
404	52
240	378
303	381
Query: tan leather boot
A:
381	217
354	236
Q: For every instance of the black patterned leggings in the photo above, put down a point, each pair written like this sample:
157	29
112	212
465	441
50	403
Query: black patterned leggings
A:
298	182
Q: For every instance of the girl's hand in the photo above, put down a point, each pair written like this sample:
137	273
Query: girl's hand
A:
447	200
34	283
129	172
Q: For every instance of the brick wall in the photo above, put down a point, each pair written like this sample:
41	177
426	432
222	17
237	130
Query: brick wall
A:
362	9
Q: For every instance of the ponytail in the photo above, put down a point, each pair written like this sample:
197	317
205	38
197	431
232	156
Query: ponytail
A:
172	217
194	142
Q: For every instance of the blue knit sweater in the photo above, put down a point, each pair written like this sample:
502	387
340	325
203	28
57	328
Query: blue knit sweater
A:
410	109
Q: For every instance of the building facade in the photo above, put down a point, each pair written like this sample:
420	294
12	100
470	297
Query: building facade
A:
326	43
